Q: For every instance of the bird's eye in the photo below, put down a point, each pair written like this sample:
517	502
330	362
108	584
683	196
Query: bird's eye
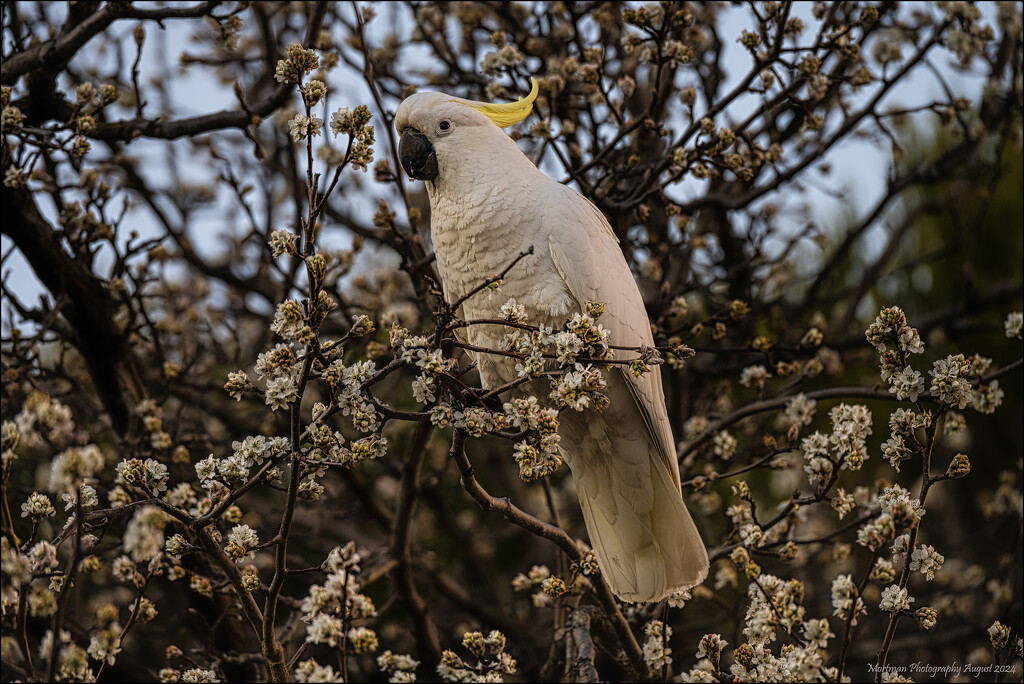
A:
445	125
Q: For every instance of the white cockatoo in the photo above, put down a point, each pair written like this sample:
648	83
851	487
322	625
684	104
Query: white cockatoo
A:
489	203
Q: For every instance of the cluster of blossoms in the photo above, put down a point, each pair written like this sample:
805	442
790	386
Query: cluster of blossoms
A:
366	448
37	507
1013	324
283	242
71	468
282	368
694	426
73	661
774	604
754	376
895	599
504	56
125	570
657	654
218	475
845	446
354	123
755	663
843	502
242	542
105	643
903	443
417	350
955	380
986	398
41	418
950	381
846	601
794	663
331	607
301	126
897	502
583	336
491	660
150	475
580	388
401	668
574	386
851	426
711	646
750	532
550	587
310	670
895	341
538	456
296	65
799	412
290	322
478	421
348	383
724	445
10	436
144	535
897	511
650	16
999	636
195	675
926	560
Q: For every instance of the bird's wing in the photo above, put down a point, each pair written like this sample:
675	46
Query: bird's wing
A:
623	460
587	256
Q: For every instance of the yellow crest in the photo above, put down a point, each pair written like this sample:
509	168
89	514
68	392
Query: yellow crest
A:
504	115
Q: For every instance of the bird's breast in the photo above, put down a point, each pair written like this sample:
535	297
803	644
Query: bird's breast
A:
477	237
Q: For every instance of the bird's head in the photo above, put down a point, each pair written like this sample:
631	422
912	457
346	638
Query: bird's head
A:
436	129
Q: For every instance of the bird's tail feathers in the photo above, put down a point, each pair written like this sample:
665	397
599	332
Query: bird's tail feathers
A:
645	556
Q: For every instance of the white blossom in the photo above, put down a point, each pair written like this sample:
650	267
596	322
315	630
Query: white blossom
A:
324	629
656	652
241	541
281	392
423	387
1012	325
724	445
799	410
302	126
512	311
817	633
906	384
949	381
754	376
845	599
987	398
895	599
927	560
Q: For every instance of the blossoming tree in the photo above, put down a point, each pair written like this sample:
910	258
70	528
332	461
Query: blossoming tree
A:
241	439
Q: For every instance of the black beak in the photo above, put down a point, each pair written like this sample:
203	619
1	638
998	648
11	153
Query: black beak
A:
418	156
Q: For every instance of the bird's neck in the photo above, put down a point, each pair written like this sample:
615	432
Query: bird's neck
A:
474	195
477	222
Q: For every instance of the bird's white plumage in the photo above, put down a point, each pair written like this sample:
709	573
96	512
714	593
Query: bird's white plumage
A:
488	204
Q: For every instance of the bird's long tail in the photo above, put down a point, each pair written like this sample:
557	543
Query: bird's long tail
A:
645	554
646	542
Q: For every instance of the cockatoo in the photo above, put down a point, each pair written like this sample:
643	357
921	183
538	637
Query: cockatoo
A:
489	203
